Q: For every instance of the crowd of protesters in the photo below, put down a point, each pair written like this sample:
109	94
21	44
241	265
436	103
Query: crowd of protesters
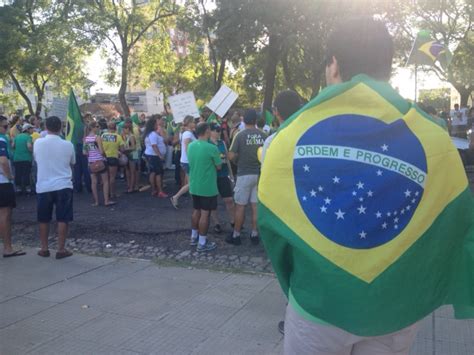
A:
211	156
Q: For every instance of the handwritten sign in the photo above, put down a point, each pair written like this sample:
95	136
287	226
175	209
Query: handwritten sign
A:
183	105
59	108
223	101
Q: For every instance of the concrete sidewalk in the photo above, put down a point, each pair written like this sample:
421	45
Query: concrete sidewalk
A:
92	305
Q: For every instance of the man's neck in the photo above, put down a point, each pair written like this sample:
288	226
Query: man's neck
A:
249	126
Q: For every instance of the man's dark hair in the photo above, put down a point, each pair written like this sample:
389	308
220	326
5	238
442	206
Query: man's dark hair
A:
287	103
53	124
456	105
201	129
361	46
250	117
215	127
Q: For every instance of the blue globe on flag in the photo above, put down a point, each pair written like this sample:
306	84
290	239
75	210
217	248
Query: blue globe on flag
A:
358	179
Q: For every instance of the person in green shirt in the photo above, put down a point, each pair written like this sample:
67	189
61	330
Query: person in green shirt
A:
204	161
22	158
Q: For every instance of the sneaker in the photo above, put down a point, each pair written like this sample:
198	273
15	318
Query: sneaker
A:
174	203
254	239
218	228
162	195
231	240
206	247
281	327
194	242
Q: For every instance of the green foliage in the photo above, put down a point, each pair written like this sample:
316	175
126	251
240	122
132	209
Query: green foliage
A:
438	98
41	43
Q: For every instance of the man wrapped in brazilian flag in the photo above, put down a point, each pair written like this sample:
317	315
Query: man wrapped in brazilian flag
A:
365	209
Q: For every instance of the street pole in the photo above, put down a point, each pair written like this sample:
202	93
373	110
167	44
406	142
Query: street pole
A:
416	81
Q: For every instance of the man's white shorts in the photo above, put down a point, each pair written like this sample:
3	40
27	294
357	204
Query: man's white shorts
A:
245	190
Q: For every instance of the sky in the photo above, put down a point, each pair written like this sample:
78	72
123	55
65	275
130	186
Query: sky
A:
404	79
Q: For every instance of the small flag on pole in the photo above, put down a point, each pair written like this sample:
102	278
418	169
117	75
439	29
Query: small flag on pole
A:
427	51
75	125
269	118
212	118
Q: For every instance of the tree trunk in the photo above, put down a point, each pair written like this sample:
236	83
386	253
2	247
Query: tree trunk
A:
39	94
270	71
464	93
220	76
22	93
123	84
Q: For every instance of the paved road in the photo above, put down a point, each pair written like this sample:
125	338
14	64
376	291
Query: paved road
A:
93	305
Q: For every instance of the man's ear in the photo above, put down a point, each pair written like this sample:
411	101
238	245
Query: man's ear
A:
333	75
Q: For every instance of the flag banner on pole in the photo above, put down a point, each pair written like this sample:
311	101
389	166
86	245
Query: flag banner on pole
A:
135	118
75	125
269	118
426	51
212	118
375	229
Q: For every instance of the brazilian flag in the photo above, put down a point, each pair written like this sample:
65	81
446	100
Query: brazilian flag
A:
375	231
75	125
426	51
135	118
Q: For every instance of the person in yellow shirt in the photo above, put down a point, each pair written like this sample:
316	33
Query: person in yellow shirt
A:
113	146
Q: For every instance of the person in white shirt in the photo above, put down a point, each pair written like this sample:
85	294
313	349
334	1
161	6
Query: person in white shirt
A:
55	158
186	138
458	121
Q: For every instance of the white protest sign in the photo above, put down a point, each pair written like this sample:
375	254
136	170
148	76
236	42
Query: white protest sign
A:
59	108
222	101
183	105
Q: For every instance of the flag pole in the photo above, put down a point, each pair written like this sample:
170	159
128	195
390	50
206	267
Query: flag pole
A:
416	81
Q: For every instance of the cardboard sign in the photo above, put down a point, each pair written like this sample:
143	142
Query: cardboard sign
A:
59	108
223	101
183	105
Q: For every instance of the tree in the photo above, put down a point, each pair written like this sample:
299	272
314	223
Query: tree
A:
40	46
123	24
438	98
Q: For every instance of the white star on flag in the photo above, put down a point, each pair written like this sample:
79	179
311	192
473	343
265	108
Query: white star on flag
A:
360	185
313	193
370	193
336	180
417	193
361	209
395	220
408	208
402	211
339	214
384	226
323	209
407	193
354	193
389	214
395	213
378	214
304	198
306	168
379	172
320	188
362	235
361	199
395	226
384	147
327	201
413	200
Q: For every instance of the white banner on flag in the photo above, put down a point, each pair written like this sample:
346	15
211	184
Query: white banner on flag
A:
183	105
222	101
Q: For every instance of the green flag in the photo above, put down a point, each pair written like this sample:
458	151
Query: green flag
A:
212	118
135	118
269	118
376	229
427	51
75	125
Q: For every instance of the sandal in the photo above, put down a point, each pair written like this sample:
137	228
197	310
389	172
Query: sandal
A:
111	203
63	254
44	253
15	253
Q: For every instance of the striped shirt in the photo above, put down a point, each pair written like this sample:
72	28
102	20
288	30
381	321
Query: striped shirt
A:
92	149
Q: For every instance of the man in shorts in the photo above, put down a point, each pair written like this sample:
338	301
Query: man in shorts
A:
204	161
55	158
224	185
244	150
113	145
7	193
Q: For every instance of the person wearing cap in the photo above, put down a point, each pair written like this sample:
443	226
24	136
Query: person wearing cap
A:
22	158
243	151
